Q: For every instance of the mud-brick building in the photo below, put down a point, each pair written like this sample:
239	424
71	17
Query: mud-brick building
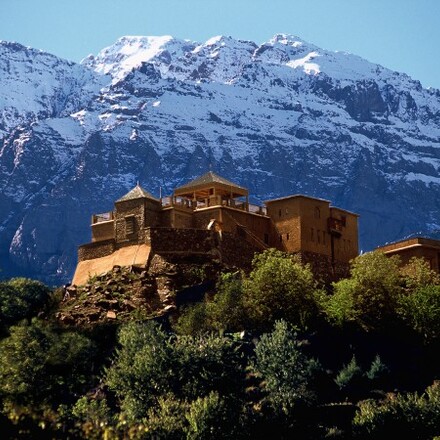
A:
212	217
421	247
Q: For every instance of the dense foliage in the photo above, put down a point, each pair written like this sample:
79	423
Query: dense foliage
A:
267	354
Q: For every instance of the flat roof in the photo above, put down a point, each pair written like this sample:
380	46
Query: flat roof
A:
295	195
408	243
310	198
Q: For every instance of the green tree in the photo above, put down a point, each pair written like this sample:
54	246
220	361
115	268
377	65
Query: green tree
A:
41	368
93	416
285	370
370	296
143	368
417	273
407	415
210	417
150	364
420	309
225	311
279	287
348	374
220	312
21	298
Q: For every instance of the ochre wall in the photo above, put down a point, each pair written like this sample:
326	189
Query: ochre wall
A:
302	224
257	224
103	231
346	246
315	237
183	218
135	255
294	219
429	254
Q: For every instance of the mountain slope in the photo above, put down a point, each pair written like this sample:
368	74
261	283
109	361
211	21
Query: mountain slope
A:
281	117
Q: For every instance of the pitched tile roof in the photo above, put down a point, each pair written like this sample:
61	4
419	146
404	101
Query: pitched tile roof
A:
136	193
209	177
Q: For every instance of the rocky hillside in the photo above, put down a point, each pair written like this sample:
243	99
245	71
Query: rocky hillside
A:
280	117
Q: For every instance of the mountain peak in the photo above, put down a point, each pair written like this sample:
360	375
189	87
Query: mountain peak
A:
288	40
129	52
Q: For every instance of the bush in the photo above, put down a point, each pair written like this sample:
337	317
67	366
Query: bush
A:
41	368
400	416
150	364
284	369
369	297
420	309
223	312
21	298
279	287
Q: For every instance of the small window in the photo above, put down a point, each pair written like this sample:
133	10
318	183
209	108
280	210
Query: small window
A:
287	211
281	237
211	191
279	213
129	225
317	212
287	237
266	238
343	220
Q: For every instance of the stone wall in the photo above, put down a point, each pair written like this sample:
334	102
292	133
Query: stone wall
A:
145	213
96	249
236	251
322	266
181	240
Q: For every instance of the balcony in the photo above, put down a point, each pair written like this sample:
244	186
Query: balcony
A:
104	217
335	226
210	201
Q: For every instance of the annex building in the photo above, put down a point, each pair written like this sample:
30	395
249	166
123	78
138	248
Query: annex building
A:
420	247
212	217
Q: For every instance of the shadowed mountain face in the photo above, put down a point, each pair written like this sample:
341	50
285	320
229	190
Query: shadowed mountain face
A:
279	118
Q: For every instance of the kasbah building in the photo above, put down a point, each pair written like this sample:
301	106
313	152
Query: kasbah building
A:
211	218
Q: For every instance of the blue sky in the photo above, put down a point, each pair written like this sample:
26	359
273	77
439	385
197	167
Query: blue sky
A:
403	35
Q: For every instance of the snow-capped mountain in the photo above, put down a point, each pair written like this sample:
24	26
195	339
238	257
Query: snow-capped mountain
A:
281	117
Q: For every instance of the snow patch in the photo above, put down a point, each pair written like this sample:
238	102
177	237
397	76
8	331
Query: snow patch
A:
305	64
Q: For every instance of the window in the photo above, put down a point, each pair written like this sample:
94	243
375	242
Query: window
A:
129	225
281	237
266	238
287	237
343	220
317	212
286	211
279	213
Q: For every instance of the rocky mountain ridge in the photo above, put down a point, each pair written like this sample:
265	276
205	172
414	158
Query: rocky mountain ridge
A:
281	117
